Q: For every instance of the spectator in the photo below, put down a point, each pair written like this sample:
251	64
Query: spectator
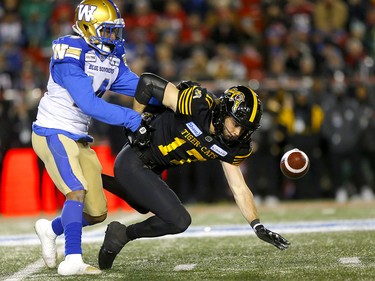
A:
144	18
35	15
301	125
195	66
250	22
330	18
11	29
225	65
369	39
354	56
367	122
252	59
300	15
266	156
342	131
223	27
62	18
194	35
172	18
7	134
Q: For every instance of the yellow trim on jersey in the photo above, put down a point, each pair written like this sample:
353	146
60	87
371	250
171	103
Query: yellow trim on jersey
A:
184	104
255	106
184	101
238	159
74	51
209	100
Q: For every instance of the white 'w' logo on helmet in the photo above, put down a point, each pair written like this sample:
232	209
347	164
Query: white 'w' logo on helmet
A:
87	12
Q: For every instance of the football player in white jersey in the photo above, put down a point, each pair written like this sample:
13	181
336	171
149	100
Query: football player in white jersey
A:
82	68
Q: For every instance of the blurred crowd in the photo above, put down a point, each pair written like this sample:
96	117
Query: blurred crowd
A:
311	62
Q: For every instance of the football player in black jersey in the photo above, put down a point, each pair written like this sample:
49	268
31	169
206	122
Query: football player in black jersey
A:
195	126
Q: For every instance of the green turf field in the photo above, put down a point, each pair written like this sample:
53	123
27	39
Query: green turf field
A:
322	253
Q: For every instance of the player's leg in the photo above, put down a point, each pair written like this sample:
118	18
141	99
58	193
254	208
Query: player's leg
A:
47	231
146	190
95	205
61	158
110	184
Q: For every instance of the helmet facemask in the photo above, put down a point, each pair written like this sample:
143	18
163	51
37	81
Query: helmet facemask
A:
108	36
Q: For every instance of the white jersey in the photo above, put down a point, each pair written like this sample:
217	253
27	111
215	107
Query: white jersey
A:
80	75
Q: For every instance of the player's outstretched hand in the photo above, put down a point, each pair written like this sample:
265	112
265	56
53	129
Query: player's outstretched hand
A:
187	84
271	237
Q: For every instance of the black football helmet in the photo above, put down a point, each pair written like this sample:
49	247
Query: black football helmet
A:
241	103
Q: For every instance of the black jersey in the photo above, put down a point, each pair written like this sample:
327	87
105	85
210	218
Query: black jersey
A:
184	136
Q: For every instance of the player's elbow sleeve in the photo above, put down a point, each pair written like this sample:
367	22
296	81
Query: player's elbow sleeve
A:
150	85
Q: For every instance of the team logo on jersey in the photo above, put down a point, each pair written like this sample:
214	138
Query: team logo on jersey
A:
208	138
194	129
114	61
218	150
86	12
197	93
90	57
237	98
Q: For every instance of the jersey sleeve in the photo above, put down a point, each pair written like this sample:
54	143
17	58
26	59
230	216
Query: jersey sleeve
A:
194	100
126	81
243	154
69	49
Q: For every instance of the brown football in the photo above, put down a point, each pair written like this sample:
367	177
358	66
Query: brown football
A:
294	164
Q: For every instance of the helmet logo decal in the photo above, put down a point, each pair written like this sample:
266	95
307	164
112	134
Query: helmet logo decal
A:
237	97
86	12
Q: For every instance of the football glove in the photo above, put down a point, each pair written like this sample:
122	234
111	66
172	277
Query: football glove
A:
186	84
142	136
270	237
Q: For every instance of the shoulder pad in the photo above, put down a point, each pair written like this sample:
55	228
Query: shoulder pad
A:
69	47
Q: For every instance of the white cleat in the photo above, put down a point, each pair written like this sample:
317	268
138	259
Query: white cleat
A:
74	265
47	237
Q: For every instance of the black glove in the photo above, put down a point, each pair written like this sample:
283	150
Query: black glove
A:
142	136
270	237
186	84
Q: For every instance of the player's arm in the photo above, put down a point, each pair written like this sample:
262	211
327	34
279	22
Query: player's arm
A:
242	194
79	85
151	85
245	201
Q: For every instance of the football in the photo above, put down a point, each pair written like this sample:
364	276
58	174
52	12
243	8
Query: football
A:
294	164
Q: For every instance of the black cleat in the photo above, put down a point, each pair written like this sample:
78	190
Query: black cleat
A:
114	240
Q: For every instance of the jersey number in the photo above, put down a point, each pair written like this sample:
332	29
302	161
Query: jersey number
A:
103	87
196	156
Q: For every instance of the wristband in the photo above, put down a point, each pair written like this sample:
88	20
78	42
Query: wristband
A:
255	223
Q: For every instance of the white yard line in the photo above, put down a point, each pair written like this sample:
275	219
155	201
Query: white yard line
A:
185	267
27	271
96	235
350	260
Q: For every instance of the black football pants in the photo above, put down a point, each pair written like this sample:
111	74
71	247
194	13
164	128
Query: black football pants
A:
146	192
